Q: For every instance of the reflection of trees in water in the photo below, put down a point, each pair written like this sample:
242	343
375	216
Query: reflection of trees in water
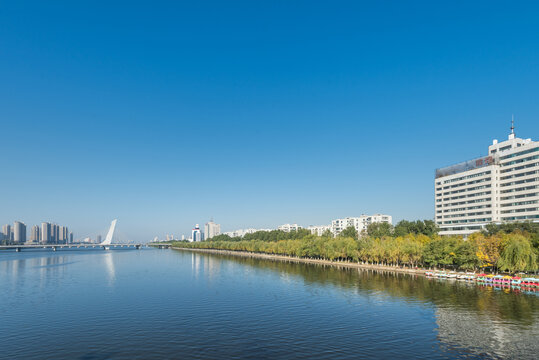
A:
478	333
521	309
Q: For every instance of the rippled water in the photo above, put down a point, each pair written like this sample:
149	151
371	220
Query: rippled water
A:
129	304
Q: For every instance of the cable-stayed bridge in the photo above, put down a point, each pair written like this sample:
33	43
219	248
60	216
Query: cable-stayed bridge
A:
106	244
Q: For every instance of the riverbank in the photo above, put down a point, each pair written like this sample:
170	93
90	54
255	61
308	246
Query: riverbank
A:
345	264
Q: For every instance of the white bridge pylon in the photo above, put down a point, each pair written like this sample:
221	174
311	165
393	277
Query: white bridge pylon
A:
108	239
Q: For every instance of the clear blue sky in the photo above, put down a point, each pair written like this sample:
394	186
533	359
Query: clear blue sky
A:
256	113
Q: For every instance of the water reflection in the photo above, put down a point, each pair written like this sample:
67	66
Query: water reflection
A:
202	265
483	334
481	320
50	267
108	259
153	301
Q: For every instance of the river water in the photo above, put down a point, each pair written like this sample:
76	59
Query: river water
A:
145	304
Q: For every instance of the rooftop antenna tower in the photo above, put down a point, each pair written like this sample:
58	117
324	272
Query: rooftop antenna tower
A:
512	134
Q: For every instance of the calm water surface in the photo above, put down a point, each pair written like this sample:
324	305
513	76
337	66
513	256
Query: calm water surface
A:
129	304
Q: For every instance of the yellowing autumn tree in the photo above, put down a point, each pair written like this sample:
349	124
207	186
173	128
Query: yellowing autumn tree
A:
488	248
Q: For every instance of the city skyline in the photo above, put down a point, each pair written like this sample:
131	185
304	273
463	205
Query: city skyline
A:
44	233
349	113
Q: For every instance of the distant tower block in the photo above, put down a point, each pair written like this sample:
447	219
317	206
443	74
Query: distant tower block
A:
195	233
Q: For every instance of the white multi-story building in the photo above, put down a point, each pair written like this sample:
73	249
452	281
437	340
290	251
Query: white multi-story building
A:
7	231
243	232
19	232
63	235
500	187
289	227
318	230
35	234
45	232
211	229
359	223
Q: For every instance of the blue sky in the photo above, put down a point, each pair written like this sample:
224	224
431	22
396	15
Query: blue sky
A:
254	113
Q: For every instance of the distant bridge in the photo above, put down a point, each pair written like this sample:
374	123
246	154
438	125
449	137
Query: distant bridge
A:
105	244
55	247
160	246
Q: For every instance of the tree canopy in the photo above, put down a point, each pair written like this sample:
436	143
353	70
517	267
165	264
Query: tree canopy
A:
350	232
380	230
425	227
410	243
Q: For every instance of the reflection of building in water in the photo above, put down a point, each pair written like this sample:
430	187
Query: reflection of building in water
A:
195	265
479	333
205	265
211	266
109	266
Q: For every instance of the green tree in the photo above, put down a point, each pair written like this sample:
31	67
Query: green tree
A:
466	256
524	227
380	230
327	234
518	255
403	228
350	232
223	237
425	227
442	251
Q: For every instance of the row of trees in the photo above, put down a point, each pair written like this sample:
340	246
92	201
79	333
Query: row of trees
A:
274	235
421	247
403	228
426	227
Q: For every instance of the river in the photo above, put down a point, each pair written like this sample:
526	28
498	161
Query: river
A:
149	303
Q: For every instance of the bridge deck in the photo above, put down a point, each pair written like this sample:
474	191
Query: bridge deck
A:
68	246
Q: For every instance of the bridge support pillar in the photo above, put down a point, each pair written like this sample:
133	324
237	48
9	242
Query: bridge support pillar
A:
54	248
137	247
18	249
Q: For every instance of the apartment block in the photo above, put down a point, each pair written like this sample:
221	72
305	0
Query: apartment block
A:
502	186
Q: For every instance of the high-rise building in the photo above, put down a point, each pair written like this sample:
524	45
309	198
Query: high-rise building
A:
98	239
45	233
19	232
71	237
195	234
500	187
6	230
55	233
34	234
63	235
211	229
